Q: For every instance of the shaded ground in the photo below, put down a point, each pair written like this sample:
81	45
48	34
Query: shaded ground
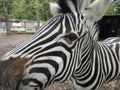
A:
9	42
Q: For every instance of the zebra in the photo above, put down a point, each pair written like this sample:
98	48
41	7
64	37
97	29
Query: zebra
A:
66	47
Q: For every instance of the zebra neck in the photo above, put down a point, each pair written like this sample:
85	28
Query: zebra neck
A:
87	50
87	43
90	68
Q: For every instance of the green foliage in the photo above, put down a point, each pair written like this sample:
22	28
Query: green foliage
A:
39	9
18	9
1	9
27	9
111	9
114	8
117	7
7	3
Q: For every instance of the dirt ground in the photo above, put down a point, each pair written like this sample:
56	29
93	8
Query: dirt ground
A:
9	42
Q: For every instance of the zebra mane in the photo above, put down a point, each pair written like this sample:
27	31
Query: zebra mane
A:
64	6
69	6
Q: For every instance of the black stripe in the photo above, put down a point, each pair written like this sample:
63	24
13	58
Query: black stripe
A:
41	70
51	62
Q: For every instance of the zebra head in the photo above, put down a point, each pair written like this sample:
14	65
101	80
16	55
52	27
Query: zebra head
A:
54	52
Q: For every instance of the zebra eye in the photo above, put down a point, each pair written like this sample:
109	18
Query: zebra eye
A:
71	37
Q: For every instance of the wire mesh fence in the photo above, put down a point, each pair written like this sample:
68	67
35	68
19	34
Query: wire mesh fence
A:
20	26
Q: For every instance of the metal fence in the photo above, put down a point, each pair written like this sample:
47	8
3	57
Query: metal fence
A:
20	26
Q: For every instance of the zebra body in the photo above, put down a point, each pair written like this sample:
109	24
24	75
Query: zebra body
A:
66	48
100	64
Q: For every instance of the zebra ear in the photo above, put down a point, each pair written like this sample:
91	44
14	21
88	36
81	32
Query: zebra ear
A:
96	10
85	4
54	8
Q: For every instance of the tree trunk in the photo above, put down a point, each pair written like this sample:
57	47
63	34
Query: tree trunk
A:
5	8
38	20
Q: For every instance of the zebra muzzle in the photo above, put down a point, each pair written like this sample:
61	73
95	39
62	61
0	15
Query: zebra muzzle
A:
11	72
